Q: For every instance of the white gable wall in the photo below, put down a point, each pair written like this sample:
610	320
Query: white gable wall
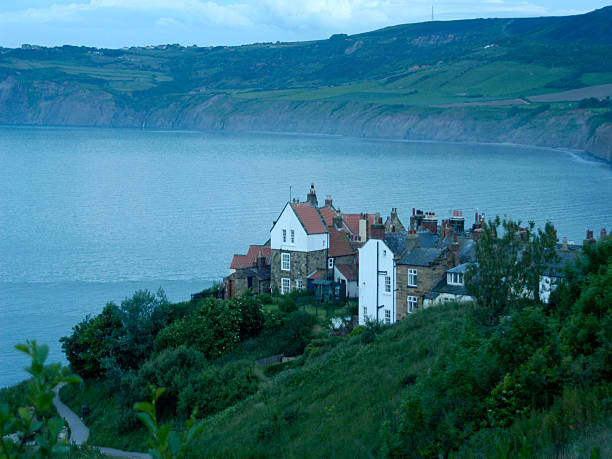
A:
288	221
371	282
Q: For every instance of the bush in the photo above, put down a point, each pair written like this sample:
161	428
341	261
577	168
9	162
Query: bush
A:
288	305
297	332
171	369
213	329
215	389
252	319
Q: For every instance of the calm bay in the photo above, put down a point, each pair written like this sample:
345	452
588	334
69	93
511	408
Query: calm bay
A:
90	215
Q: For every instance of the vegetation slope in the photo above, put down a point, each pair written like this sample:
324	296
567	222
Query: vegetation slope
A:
524	380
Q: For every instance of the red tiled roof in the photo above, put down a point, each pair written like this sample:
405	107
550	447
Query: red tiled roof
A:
339	244
250	259
317	274
352	221
328	215
310	218
351	272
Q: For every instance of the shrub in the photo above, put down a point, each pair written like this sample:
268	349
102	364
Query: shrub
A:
213	329
252	319
215	389
288	305
171	369
297	332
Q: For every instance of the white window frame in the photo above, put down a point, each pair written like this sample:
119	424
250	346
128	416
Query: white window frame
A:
285	285
293	236
455	279
284	235
299	284
330	263
412	277
412	304
387	316
387	284
285	261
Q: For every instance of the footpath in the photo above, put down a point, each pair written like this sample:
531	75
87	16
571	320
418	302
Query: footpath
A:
79	432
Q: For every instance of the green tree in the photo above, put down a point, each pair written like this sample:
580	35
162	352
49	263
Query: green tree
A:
509	263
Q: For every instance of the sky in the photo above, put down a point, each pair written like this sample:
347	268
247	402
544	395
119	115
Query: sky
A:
119	23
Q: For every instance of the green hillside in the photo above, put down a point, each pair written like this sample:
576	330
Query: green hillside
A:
520	379
431	62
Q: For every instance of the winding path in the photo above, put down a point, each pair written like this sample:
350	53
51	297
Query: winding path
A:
79	432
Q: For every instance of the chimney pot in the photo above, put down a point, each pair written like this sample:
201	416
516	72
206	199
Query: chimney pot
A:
602	234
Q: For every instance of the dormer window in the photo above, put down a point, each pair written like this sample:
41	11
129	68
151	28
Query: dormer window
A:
454	278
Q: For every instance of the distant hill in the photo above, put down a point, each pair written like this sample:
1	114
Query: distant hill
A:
406	81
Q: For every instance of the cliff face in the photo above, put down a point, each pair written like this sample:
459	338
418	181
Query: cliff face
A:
50	103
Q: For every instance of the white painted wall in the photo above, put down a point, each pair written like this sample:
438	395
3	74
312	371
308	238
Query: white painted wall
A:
288	221
444	297
304	242
547	286
369	278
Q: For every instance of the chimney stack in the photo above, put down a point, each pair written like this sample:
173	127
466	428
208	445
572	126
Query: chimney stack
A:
412	240
338	219
589	237
312	196
455	249
363	227
602	234
430	223
378	229
328	200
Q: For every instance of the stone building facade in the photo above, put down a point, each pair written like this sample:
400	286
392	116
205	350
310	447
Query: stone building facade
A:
301	264
418	272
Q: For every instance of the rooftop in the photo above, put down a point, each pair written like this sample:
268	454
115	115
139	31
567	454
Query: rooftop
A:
309	217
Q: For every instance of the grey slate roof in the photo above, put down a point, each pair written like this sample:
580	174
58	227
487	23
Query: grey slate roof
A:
565	257
462	268
420	256
467	252
428	239
396	241
443	287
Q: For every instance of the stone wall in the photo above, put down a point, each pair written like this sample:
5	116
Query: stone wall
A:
427	278
302	264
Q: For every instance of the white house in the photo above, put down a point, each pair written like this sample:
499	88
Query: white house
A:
299	243
377	279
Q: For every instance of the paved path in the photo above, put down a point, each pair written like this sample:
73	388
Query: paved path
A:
79	432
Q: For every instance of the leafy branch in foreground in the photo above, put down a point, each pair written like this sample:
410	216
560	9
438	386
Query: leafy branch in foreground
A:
167	444
33	430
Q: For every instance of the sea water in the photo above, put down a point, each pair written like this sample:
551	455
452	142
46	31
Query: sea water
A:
89	216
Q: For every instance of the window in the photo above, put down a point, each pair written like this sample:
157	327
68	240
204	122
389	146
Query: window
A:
250	282
455	279
299	284
330	263
286	261
365	312
284	235
384	253
412	304
387	316
412	278
293	236
285	285
387	284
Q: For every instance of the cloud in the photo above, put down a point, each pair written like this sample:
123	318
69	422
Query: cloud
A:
236	21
